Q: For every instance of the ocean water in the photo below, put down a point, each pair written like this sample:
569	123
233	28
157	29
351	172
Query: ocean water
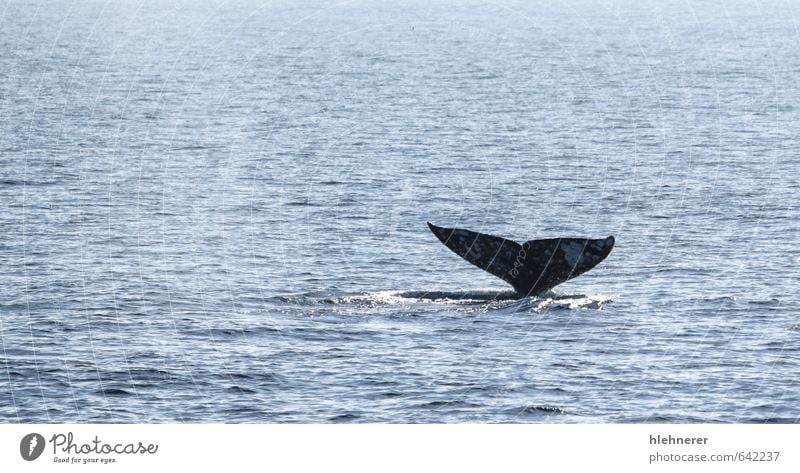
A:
215	211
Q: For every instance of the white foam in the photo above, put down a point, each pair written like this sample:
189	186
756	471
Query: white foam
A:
440	297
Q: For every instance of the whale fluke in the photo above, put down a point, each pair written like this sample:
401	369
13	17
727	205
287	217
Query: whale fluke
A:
532	267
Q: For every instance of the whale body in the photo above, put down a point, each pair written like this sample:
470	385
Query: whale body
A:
532	267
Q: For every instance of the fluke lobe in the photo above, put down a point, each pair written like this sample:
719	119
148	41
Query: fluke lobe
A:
532	267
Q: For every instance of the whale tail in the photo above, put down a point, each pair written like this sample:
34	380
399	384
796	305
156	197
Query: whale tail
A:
532	267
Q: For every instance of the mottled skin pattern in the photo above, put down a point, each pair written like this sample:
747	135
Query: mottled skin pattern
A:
532	267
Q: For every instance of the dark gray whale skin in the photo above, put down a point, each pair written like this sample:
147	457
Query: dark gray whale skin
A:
533	267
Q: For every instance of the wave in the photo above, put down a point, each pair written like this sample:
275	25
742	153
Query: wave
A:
570	302
482	295
500	298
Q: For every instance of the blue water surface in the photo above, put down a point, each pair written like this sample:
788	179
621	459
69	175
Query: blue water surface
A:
215	211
